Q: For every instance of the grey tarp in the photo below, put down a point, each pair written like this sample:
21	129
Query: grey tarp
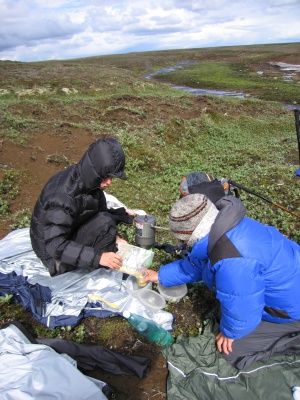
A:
35	371
198	371
71	294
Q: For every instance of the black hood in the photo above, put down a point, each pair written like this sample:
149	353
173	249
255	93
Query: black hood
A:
104	158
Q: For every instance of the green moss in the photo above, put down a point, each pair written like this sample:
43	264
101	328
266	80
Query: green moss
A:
165	134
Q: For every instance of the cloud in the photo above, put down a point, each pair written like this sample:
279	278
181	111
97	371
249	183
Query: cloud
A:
59	29
27	26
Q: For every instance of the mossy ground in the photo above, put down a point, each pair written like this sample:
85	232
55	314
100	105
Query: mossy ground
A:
166	134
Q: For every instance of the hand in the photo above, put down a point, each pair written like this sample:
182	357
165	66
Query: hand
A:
119	240
224	344
111	260
149	276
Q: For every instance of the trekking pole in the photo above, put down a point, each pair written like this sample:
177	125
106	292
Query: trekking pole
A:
262	197
297	123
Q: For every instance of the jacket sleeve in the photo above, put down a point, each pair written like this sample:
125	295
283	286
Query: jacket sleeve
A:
179	272
61	212
240	289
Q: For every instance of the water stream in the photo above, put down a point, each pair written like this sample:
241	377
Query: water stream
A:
202	92
195	91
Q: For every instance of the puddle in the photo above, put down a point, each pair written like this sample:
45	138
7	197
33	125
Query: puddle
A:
292	70
291	106
288	77
287	67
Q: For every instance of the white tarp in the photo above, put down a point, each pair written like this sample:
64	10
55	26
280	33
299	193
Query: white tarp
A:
35	371
70	292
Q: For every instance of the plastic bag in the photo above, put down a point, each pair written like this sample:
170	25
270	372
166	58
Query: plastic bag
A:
135	259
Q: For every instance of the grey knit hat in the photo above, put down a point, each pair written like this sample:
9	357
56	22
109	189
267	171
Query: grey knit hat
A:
190	212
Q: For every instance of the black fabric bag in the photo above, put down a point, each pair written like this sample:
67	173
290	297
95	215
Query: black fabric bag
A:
89	357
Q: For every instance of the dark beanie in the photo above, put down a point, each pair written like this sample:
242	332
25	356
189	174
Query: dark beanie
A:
187	213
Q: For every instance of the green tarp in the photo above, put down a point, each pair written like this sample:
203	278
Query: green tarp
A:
198	371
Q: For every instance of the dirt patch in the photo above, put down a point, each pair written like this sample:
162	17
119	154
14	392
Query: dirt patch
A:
58	140
124	339
50	150
132	387
59	143
189	314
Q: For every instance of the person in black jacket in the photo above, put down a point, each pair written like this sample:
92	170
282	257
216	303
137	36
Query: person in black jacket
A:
71	226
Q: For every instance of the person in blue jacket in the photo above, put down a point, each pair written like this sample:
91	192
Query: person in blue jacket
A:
253	269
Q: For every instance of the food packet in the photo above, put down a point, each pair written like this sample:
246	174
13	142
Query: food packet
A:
135	260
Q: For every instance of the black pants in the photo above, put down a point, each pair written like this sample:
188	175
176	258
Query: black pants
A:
99	232
267	340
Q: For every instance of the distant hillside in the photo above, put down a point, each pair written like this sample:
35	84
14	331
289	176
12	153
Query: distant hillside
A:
145	61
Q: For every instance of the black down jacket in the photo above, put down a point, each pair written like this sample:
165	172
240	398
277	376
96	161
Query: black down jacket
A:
68	200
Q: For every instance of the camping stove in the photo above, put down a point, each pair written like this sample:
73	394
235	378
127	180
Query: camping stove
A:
145	231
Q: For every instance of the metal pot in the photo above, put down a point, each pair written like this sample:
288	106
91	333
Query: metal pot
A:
145	231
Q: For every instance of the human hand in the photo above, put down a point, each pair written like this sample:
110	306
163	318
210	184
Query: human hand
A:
111	260
149	276
224	344
119	240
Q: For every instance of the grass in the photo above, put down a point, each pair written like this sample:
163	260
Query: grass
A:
8	190
225	145
230	76
165	134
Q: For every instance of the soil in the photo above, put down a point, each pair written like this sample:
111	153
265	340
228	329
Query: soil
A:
32	159
189	313
37	158
37	161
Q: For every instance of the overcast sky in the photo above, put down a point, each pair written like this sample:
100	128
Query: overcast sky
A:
36	30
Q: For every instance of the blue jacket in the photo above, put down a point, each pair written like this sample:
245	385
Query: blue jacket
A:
263	283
